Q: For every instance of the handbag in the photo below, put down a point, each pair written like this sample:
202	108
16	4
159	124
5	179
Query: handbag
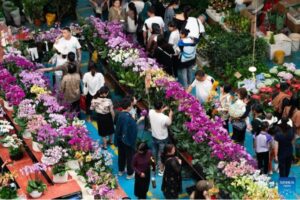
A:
239	125
82	102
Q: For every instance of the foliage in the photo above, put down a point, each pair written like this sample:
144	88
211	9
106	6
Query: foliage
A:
237	23
60	169
34	8
8	192
15	151
231	52
36	185
199	7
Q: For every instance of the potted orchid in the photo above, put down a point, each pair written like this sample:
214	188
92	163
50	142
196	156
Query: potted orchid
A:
33	125
57	156
60	173
11	141
5	127
35	186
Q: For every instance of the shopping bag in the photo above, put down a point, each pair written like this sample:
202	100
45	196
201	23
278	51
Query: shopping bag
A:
83	103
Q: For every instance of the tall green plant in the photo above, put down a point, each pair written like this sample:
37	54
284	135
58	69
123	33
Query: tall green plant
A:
34	8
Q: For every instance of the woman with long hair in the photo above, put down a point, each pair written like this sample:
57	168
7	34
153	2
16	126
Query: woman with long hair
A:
115	11
284	147
92	82
132	21
170	13
172	181
152	41
105	115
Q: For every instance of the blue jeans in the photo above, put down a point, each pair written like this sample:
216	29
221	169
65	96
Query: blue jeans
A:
185	76
158	148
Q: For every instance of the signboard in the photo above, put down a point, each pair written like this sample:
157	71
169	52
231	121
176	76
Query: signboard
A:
287	187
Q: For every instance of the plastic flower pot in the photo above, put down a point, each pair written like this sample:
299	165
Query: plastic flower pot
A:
37	147
17	157
15	14
27	134
50	17
35	194
73	164
7	106
60	179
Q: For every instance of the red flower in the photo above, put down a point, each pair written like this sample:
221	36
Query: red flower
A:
256	97
266	89
296	86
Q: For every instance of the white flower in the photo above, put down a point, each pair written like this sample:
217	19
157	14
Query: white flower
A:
274	70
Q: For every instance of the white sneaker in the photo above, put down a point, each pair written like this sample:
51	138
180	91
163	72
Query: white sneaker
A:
160	173
121	173
128	177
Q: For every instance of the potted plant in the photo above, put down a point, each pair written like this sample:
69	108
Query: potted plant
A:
8	189
5	127
12	11
34	9
16	153
35	186
60	174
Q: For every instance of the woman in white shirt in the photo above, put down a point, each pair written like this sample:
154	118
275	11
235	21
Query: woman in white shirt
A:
92	82
105	115
132	20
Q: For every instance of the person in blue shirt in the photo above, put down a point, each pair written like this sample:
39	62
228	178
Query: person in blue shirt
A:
126	135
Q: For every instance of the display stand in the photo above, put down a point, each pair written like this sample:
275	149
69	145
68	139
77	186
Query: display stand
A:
70	188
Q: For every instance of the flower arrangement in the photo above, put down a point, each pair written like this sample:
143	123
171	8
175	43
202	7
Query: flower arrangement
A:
30	79
33	172
47	135
35	124
54	155
120	55
103	192
49	36
57	120
60	169
18	63
236	168
8	189
26	109
14	95
11	141
49	104
5	127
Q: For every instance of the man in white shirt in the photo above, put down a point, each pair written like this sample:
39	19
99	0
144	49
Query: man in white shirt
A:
152	20
196	27
64	44
174	35
159	127
203	84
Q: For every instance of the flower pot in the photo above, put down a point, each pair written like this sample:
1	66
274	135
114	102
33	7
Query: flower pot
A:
60	179
35	194
73	164
15	14
7	106
37	147
19	156
27	135
37	22
50	17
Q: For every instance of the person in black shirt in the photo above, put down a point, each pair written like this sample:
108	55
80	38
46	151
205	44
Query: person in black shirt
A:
258	118
163	54
284	137
172	182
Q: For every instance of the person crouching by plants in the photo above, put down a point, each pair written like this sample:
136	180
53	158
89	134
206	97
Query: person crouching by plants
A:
142	162
202	190
172	181
262	145
104	115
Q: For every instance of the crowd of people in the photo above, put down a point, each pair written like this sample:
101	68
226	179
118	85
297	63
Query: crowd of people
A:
170	35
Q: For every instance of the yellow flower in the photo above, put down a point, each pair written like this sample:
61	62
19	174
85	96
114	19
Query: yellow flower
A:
38	90
78	155
88	158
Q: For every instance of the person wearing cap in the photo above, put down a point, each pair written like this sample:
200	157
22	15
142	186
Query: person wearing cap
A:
201	191
281	100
